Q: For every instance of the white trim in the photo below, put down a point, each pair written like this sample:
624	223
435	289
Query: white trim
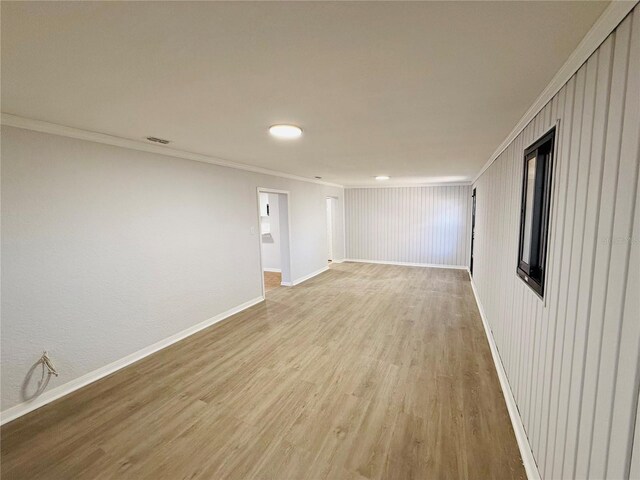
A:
332	203
415	185
606	23
23	408
311	275
406	264
528	459
273	190
286	284
337	261
273	270
55	129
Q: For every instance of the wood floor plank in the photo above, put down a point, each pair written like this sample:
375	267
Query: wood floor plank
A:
365	372
272	280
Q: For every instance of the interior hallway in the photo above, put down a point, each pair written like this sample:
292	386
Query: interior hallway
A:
364	372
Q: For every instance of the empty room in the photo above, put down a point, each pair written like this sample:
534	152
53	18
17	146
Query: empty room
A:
320	240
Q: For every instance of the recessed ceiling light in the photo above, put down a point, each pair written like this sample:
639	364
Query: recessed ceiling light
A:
285	131
382	177
158	140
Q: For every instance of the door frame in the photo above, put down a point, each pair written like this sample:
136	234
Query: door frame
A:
286	193
473	228
331	224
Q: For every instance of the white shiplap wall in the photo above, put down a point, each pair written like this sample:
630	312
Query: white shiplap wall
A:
635	454
572	360
416	225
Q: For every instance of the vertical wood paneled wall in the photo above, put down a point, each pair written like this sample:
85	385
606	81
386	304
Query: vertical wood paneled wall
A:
572	360
418	225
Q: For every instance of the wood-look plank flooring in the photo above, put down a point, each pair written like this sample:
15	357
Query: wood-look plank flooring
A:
364	372
272	280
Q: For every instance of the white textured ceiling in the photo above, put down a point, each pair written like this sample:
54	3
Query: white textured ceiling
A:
421	91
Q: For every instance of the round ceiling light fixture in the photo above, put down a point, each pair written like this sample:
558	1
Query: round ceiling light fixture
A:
285	131
382	177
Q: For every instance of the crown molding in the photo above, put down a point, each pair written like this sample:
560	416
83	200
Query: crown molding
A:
55	129
410	185
601	29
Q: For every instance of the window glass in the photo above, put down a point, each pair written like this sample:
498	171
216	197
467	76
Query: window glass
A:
528	209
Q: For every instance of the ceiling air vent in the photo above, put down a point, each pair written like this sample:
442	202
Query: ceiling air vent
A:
158	140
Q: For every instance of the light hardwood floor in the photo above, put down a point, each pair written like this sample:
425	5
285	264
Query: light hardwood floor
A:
272	281
364	372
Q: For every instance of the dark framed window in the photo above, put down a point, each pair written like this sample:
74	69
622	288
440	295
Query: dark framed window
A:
534	211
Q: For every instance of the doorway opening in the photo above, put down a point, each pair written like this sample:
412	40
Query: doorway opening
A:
331	228
473	228
275	258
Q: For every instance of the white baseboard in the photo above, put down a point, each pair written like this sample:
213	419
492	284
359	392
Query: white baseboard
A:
407	264
62	390
306	277
274	270
338	261
526	453
311	275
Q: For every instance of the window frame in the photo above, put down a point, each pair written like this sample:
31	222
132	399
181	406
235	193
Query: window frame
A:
543	150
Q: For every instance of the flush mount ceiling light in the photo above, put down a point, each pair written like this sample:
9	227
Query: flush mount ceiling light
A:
285	131
382	177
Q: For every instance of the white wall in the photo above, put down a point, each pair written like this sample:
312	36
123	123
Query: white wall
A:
271	242
106	250
572	360
421	225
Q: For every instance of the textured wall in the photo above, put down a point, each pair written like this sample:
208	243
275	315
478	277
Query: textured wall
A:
106	250
423	225
572	359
